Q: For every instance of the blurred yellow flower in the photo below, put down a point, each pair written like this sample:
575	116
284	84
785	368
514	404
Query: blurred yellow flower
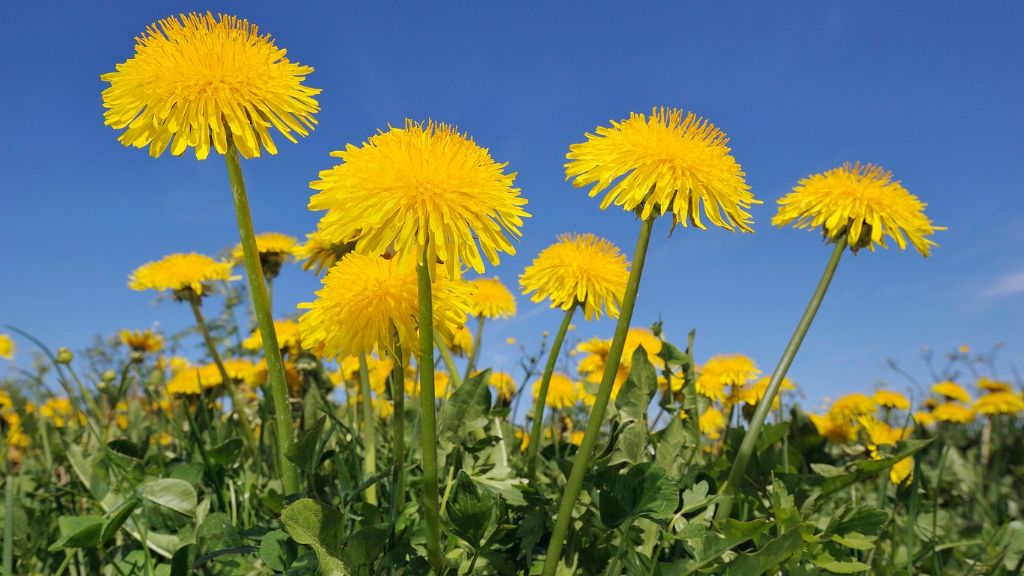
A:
461	343
952	391
383	408
902	471
578	269
491	299
510	341
733	371
861	201
180	273
850	407
955	413
61	412
891	399
412	385
1000	403
990	385
924	418
592	366
288	336
712	423
318	253
270	243
576	438
753	393
562	391
668	161
142	340
193	379
421	187
197	81
503	385
7	347
366	302
834	428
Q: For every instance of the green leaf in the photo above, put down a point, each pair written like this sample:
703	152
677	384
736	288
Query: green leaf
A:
827	562
708	546
171	493
318	526
117	517
226	453
78	532
638	390
696	497
470	510
644	490
362	549
467	409
303	453
278	550
855	540
216	533
769	557
671	443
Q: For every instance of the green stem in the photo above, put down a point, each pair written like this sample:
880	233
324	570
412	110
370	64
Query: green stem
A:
265	320
8	519
536	436
604	392
428	418
398	431
369	432
454	378
237	402
739	465
475	352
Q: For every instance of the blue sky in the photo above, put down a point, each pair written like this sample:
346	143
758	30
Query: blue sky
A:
930	90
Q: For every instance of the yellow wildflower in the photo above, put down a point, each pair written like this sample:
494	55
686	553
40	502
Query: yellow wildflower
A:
562	392
7	347
180	273
1000	403
712	423
491	299
952	391
142	340
891	399
955	413
503	385
726	370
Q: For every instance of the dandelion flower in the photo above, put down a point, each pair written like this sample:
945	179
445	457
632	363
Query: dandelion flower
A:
852	406
999	403
952	391
924	418
194	379
185	274
562	391
412	385
366	302
756	391
503	385
424	186
834	429
891	399
712	423
579	269
288	336
274	249
725	370
902	471
989	385
491	299
955	413
142	340
61	412
666	161
318	253
383	408
7	347
861	201
197	81
461	343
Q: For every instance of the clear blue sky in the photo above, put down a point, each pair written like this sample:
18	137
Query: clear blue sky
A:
930	90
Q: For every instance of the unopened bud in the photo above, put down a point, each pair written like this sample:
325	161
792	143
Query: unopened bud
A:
108	376
64	356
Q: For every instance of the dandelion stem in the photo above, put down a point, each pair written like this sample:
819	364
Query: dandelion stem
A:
475	352
454	378
369	432
237	402
428	418
264	318
739	465
536	437
604	392
398	431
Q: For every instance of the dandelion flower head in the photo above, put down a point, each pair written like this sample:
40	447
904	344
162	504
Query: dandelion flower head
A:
668	161
7	347
491	299
725	371
195	81
562	392
579	269
952	391
891	399
185	274
424	187
1000	403
141	340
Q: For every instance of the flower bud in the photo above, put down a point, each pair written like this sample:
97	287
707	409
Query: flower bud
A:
64	356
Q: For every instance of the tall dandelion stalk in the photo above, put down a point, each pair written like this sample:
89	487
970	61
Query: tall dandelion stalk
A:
201	82
666	162
435	200
855	206
578	271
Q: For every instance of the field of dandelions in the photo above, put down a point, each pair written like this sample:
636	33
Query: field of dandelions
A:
362	435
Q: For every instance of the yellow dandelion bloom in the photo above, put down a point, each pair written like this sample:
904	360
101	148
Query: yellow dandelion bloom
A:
196	81
194	379
164	439
378	372
7	347
674	383
61	412
318	253
880	433
666	161
180	273
964	349
142	340
924	418
834	429
491	299
579	269
952	391
852	406
562	392
510	341
891	399
723	371
902	471
270	243
524	439
461	343
503	385
1000	403
989	385
288	336
861	201
753	393
424	186
367	301
348	372
712	423
955	413
576	438
383	408
412	385
592	366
